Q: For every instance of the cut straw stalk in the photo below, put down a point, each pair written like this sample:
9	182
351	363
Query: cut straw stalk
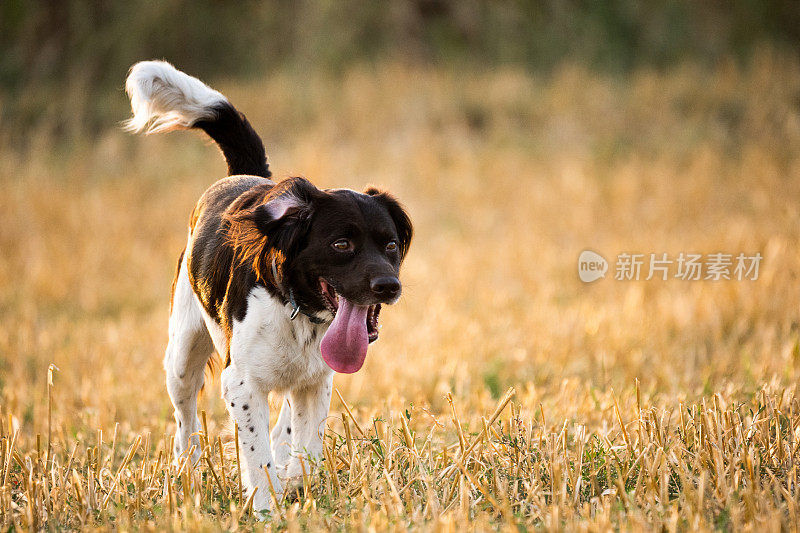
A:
7	462
214	473
349	413
462	442
238	461
50	371
222	466
332	468
272	493
501	405
128	457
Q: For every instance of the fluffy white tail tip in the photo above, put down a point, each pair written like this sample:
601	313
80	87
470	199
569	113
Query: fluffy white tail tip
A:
163	98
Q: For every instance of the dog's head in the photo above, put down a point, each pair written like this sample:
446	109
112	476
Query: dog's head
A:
338	251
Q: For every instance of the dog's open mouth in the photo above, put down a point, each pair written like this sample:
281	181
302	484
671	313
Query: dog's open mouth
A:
331	299
344	346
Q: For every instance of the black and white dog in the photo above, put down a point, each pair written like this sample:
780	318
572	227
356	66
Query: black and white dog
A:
284	280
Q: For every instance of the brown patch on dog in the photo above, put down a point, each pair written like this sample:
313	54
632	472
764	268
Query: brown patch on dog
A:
175	280
250	244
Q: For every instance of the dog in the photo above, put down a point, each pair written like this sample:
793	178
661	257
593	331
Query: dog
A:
282	279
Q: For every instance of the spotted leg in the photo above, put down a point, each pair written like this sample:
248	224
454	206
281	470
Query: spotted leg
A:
309	409
248	407
281	437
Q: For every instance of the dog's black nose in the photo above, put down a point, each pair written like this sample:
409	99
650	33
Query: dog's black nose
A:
387	286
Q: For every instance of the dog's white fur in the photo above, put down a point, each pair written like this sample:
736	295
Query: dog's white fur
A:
268	350
163	98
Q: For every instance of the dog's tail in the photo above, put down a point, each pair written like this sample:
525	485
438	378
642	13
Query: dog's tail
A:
164	99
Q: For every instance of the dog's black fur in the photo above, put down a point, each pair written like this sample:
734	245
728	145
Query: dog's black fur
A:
240	144
236	241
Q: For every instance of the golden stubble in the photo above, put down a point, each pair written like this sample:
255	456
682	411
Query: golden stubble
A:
636	405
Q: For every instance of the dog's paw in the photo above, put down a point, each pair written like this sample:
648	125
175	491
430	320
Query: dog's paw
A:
293	488
293	479
296	468
179	455
262	503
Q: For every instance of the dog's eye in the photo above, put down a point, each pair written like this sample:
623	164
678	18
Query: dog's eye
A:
342	245
391	246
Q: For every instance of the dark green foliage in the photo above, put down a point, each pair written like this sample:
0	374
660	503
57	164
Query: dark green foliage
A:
64	61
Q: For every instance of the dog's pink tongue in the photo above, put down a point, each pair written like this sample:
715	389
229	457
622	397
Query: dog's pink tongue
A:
344	346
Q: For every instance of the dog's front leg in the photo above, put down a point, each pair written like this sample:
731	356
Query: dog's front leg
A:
309	411
281	437
249	409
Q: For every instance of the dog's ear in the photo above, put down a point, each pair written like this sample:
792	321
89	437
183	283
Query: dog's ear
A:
285	214
267	226
402	222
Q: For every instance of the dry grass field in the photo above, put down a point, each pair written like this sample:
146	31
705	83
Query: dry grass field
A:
633	405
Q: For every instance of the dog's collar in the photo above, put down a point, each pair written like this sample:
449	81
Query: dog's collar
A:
295	307
296	310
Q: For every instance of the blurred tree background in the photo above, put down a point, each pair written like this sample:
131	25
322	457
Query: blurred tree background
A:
63	61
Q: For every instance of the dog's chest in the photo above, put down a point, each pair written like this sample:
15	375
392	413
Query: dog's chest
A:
278	353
